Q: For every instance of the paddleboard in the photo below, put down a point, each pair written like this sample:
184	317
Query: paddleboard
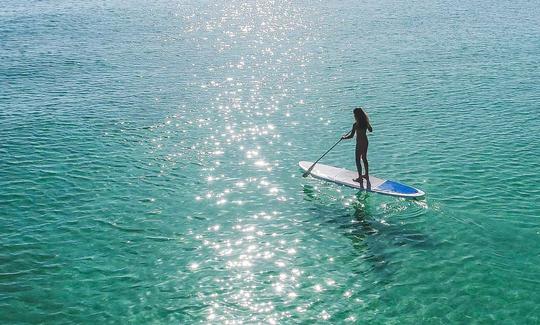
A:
345	177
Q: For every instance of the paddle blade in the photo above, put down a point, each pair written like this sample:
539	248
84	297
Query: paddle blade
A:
306	174
327	151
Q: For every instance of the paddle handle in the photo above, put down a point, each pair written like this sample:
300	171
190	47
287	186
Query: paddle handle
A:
327	151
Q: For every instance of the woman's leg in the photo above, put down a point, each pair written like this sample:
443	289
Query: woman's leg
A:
358	165
366	166
364	159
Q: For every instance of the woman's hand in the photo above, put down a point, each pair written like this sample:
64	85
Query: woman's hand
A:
350	134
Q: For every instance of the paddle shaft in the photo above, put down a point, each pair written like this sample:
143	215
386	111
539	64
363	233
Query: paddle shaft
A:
327	151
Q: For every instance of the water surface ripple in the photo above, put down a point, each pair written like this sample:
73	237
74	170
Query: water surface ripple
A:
148	162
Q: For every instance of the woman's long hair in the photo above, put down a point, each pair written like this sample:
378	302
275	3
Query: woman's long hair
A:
362	120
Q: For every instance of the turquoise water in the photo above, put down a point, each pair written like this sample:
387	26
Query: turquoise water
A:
149	150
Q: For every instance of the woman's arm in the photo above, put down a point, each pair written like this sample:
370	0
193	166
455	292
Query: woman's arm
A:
350	134
370	129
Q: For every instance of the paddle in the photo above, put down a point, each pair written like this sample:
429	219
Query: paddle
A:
311	168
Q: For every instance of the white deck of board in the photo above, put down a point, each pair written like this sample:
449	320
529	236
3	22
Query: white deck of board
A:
345	177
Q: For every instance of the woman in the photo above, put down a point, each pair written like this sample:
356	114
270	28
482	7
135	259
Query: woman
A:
360	127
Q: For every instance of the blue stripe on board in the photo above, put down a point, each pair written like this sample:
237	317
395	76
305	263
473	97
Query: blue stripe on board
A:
391	186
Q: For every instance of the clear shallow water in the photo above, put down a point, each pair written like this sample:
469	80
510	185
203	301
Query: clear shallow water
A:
148	162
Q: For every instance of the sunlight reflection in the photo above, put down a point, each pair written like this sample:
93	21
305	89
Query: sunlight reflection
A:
324	315
280	264
245	90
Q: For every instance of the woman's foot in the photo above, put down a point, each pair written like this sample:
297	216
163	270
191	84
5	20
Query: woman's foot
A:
359	180
366	176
